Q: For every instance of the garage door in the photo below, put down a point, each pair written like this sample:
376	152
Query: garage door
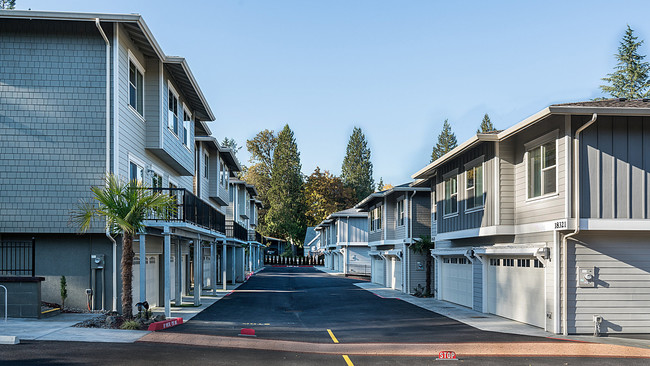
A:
153	283
516	289
456	280
394	273
378	274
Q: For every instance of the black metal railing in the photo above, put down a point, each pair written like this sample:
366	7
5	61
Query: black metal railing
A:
192	209
236	231
18	258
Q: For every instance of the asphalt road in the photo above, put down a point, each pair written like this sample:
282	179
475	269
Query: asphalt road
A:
301	304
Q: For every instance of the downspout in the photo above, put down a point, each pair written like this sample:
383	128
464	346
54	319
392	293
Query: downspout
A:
108	151
576	208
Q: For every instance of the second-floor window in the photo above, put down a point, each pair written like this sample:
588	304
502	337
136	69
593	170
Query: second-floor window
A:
186	128
172	121
400	213
136	88
451	195
375	219
542	170
136	172
206	165
474	188
156	181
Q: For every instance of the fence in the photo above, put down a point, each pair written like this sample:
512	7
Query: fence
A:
293	261
18	258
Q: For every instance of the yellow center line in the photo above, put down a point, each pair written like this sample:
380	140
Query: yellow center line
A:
347	360
332	335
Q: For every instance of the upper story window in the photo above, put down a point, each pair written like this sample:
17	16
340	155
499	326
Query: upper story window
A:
375	219
136	87
187	120
156	181
451	195
542	170
474	187
206	165
223	173
172	121
400	213
136	172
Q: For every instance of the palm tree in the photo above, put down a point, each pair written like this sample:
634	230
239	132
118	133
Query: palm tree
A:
124	206
423	246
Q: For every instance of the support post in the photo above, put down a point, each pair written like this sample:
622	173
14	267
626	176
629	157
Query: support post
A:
224	265
143	268
167	255
213	267
234	264
178	296
198	270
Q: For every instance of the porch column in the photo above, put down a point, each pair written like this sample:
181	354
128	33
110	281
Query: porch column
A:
143	268
179	274
198	270
234	264
167	258
224	265
251	248
213	267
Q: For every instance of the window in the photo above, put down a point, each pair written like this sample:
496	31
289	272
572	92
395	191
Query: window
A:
508	262
172	121
451	195
400	212
445	260
136	172
474	187
223	173
156	181
136	88
206	165
186	128
523	262
542	170
454	260
538	264
495	261
375	219
462	260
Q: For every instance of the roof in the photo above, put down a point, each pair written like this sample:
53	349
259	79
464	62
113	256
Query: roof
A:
350	212
251	190
616	106
405	187
310	235
143	38
226	154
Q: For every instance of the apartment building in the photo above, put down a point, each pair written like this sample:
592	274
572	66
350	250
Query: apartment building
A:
83	95
397	217
344	237
547	222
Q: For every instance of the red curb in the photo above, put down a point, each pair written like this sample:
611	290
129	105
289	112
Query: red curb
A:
165	324
247	332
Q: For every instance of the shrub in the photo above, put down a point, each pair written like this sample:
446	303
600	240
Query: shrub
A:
130	325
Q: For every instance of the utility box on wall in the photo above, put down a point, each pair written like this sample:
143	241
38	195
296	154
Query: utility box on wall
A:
97	261
586	277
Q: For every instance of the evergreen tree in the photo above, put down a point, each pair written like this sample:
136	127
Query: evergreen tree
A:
486	125
356	171
630	78
446	142
8	4
380	185
286	215
231	144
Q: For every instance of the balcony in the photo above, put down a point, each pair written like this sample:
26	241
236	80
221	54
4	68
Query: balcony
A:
190	209
236	231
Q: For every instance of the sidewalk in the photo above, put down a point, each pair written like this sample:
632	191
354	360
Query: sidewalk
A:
60	327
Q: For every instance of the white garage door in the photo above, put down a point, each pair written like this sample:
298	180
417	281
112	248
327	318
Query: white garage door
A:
378	274
153	283
456	280
394	273
516	289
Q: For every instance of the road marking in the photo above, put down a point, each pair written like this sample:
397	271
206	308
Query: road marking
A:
332	335
347	360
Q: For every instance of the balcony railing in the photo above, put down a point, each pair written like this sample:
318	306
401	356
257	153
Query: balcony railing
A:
190	208
17	258
236	231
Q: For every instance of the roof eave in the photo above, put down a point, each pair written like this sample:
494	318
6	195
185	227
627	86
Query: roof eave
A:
600	110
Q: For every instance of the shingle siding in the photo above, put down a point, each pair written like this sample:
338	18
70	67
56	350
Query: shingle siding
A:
52	122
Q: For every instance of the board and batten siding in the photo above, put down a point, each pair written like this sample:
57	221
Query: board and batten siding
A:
477	286
421	214
547	208
621	264
474	219
355	227
52	122
615	168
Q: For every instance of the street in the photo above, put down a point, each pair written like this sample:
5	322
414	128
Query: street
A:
302	316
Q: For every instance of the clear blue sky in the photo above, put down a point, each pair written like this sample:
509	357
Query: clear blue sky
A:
395	68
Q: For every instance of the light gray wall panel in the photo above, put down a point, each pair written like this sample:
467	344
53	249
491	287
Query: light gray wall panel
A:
422	214
477	274
507	182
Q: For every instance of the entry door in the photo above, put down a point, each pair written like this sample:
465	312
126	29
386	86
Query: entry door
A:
456	280
516	289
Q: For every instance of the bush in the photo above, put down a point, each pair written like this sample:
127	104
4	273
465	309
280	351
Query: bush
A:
130	325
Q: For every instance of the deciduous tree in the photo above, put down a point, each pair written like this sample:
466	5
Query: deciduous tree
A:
8	4
261	149
325	194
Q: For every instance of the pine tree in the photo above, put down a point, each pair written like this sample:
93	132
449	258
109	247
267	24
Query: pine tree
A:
380	185
446	142
356	170
286	215
8	4
486	125
231	144
630	80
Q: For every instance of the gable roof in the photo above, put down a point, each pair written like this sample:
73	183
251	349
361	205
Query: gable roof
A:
310	235
405	187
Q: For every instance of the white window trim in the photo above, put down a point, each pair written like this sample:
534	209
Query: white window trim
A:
139	162
206	164
178	104
471	165
402	200
189	142
445	177
173	181
138	65
530	145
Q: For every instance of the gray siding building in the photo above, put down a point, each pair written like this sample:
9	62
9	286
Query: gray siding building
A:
344	242
547	222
